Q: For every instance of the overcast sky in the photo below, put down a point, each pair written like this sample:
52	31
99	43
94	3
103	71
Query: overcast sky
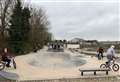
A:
87	19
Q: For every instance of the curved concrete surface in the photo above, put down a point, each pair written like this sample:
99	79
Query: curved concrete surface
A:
8	75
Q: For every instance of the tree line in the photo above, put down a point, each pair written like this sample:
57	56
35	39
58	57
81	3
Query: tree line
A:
22	28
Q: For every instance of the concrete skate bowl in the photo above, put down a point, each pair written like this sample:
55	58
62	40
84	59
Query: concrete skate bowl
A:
56	60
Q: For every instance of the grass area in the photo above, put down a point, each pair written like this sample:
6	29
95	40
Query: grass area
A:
117	51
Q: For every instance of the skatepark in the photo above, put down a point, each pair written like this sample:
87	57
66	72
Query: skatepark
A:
49	65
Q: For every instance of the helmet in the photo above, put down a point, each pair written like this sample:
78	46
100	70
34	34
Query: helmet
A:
112	46
5	50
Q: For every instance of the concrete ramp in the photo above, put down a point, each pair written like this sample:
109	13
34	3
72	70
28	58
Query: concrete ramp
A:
8	75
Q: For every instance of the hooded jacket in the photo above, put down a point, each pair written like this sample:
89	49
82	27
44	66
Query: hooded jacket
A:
111	51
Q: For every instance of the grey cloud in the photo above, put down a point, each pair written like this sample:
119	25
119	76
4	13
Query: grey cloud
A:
90	20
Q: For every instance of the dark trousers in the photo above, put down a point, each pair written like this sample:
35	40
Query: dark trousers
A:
110	58
100	55
7	61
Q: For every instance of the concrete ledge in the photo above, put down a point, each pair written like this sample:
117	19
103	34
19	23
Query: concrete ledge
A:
84	79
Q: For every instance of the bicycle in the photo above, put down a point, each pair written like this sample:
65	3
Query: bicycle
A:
3	64
112	65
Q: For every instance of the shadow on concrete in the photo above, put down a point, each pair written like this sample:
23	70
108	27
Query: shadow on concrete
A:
8	75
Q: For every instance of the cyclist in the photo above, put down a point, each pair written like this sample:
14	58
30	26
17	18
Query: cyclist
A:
6	57
110	54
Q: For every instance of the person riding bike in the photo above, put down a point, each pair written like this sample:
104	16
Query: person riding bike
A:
110	54
6	57
111	64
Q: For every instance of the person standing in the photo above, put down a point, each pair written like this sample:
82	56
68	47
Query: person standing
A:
100	53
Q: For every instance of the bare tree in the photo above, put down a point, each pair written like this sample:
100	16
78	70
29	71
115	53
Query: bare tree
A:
39	28
6	7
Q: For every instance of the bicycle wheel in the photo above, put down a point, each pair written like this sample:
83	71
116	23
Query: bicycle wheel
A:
103	66
14	64
115	67
2	65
